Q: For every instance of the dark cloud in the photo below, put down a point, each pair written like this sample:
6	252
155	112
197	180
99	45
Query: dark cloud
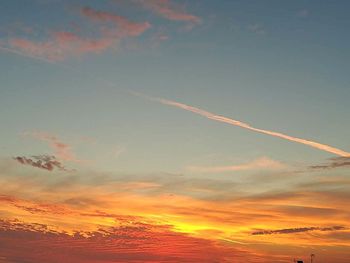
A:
34	207
298	230
46	162
333	163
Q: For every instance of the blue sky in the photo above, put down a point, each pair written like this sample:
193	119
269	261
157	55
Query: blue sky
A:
279	66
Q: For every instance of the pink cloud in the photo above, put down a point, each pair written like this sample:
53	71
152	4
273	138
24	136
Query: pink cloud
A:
62	44
124	27
62	150
169	10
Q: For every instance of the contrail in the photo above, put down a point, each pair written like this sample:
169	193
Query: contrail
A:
212	116
209	115
17	52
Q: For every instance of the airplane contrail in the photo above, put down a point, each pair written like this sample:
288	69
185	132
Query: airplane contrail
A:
209	115
17	52
212	116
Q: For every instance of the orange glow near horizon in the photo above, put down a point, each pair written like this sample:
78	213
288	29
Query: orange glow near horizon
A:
89	210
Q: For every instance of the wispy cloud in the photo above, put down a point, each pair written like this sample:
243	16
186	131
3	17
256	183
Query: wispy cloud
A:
25	54
59	45
122	26
62	151
106	31
46	162
219	118
334	163
298	230
257	28
261	163
169	10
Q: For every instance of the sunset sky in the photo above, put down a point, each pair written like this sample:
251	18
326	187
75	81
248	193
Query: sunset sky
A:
174	131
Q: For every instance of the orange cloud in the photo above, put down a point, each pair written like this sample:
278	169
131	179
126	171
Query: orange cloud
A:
128	242
261	163
84	204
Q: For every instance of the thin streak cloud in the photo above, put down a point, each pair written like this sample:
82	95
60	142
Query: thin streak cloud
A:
219	118
24	54
334	163
298	230
261	163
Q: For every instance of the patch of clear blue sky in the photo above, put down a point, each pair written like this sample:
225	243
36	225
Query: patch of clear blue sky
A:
293	78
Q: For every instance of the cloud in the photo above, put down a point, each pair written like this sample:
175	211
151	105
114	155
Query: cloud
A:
105	31
334	163
233	122
298	230
261	163
45	162
257	28
62	151
34	208
169	10
59	45
214	208
131	241
123	26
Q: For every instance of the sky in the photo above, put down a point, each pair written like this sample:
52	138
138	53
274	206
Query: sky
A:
174	131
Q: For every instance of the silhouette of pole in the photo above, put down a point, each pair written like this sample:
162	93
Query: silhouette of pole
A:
312	258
